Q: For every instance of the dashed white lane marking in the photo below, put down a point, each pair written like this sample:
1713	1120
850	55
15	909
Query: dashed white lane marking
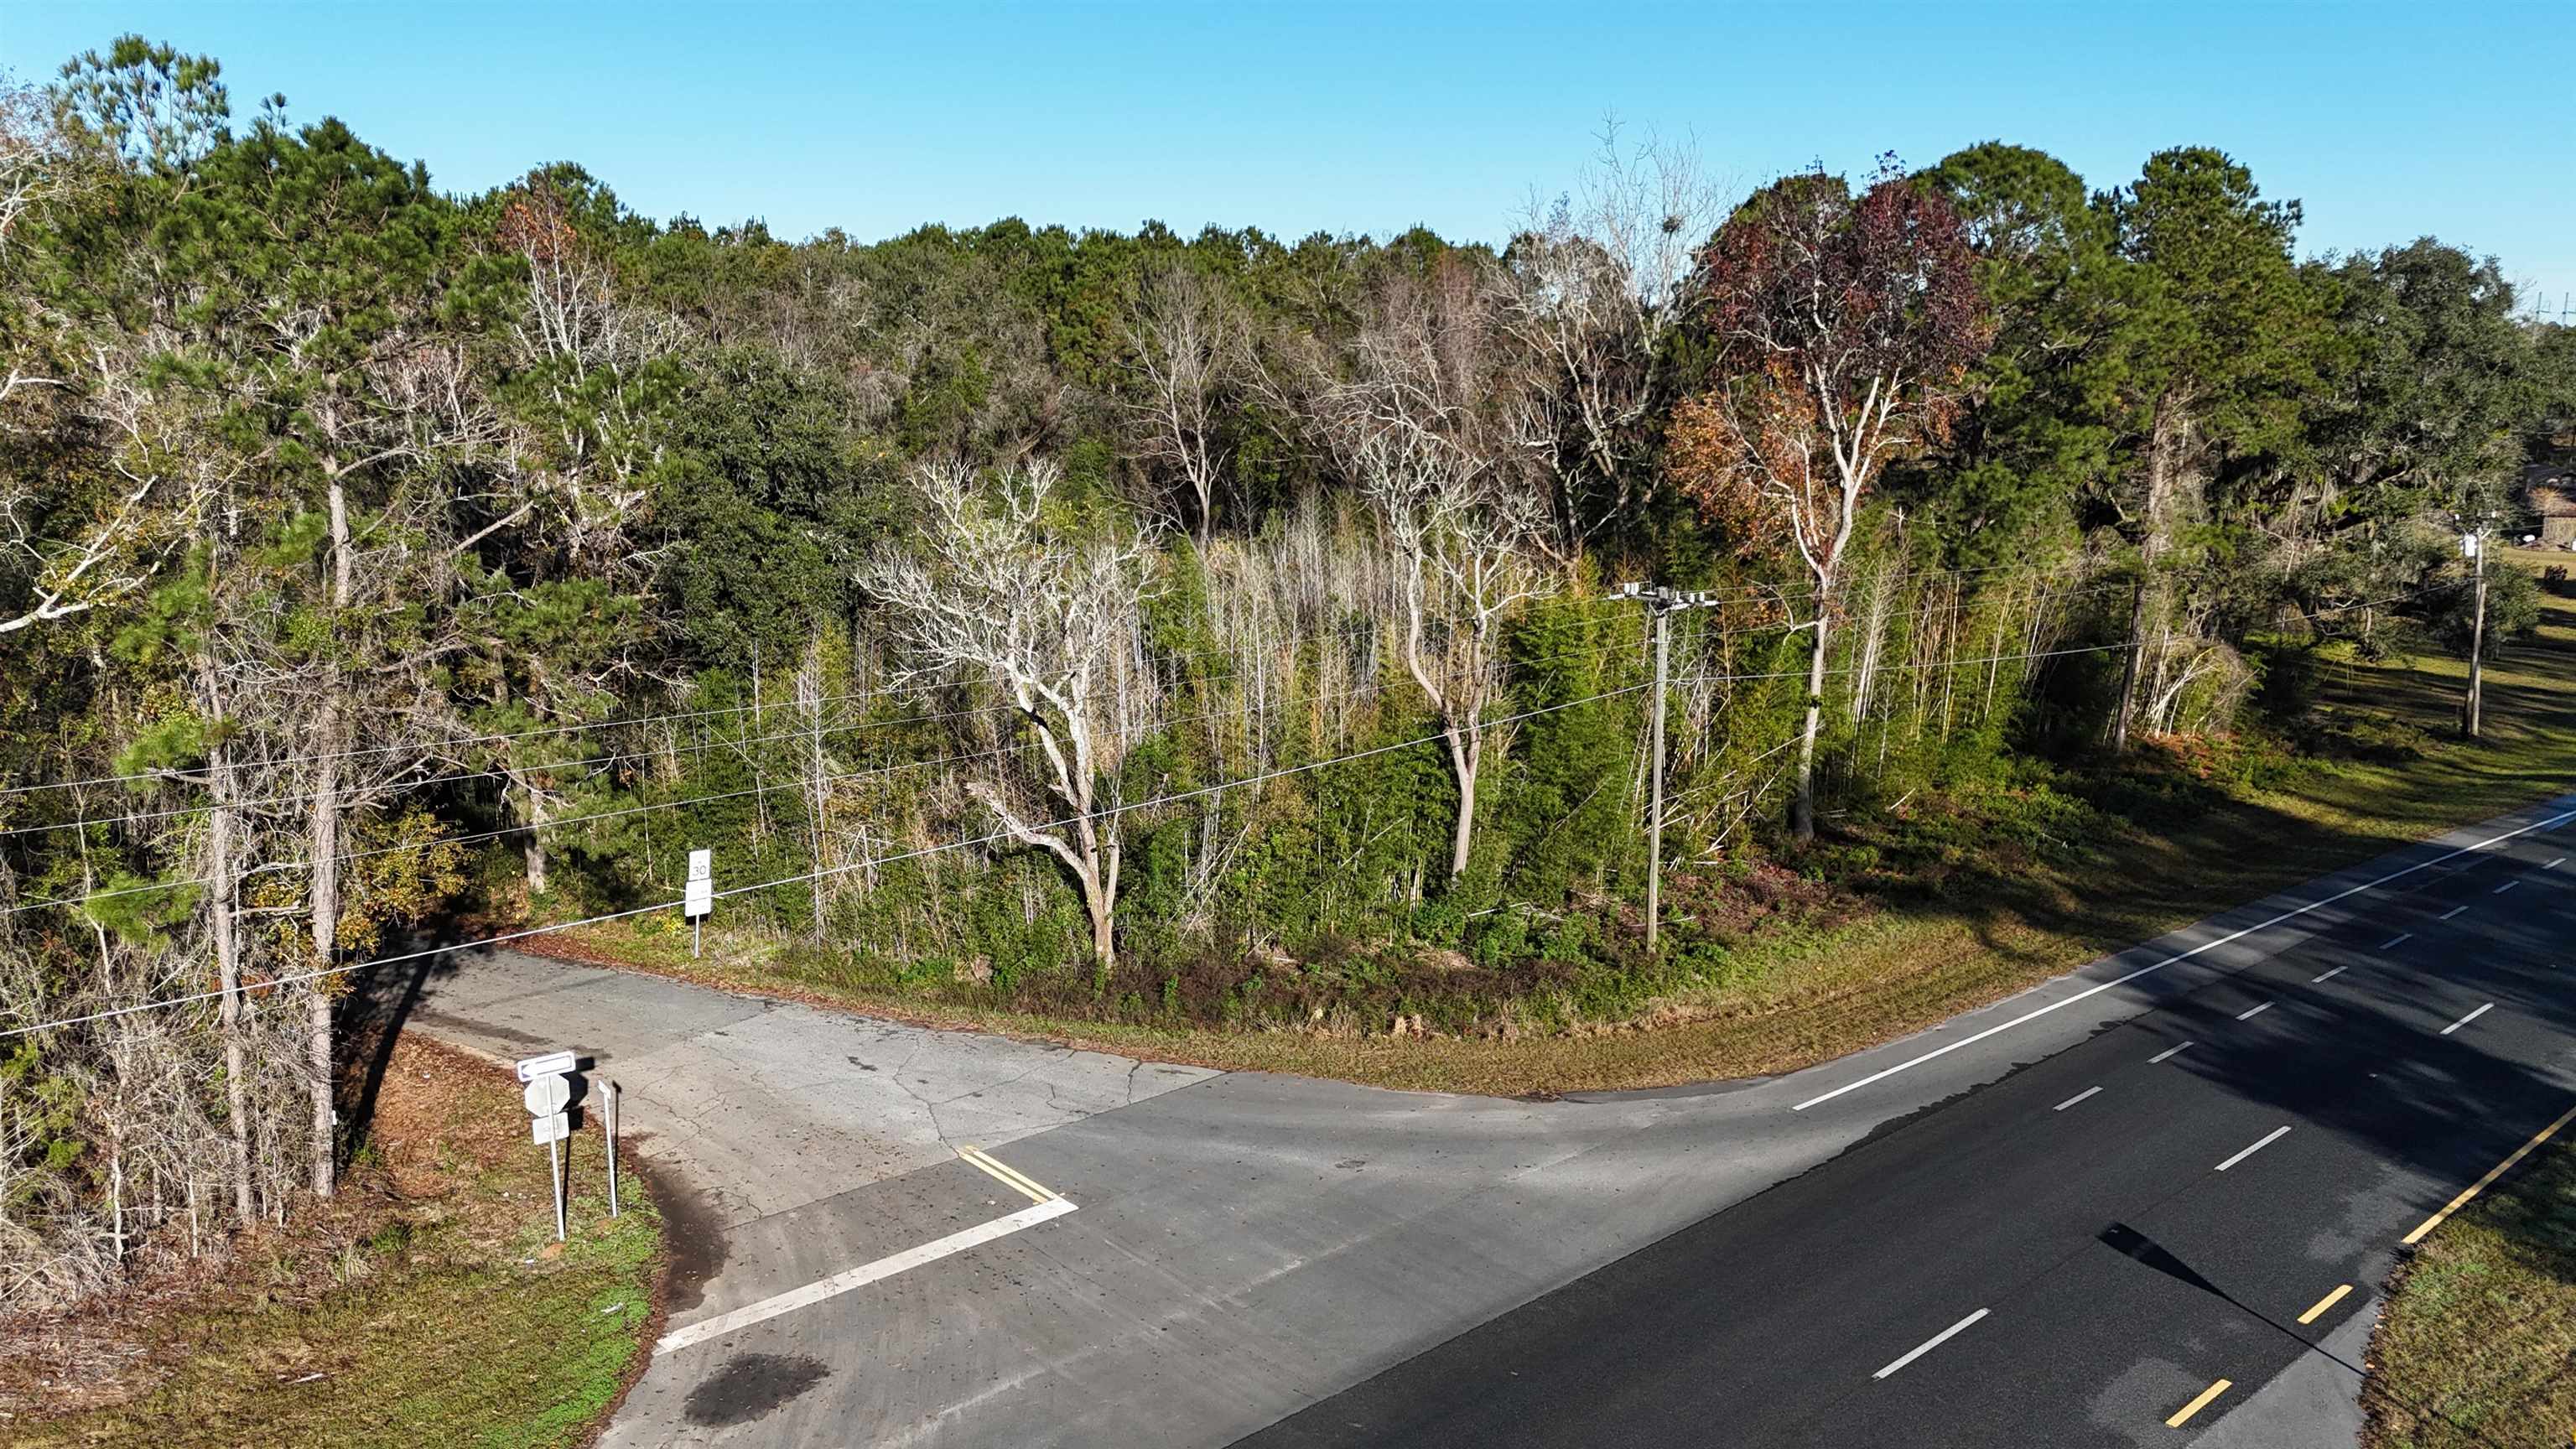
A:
2329	976
2397	940
2078	1097
2167	1052
2255	1010
2453	911
2472	1016
2553	865
2500	890
862	1276
1883	1073
2275	1135
1929	1344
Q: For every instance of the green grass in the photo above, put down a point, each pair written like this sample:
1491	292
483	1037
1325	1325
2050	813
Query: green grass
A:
2477	1346
431	1307
2192	832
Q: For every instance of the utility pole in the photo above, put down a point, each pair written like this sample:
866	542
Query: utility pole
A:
2474	543
1661	604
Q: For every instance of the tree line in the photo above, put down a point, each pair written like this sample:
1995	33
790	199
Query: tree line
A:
1122	624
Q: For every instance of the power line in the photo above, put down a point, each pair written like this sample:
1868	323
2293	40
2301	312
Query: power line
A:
1741	593
1245	711
1112	811
463	776
1350	631
814	875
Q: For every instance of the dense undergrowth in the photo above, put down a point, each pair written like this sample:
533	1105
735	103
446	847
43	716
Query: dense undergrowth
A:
1951	893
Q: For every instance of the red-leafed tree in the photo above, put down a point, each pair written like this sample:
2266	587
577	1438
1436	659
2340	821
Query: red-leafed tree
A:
1840	326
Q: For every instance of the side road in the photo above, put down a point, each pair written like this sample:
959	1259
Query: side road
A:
1141	1253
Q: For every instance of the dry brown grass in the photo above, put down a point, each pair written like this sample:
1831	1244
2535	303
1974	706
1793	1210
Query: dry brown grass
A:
427	1303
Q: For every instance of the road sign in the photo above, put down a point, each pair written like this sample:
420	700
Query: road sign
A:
552	1064
554	1127
547	1096
701	897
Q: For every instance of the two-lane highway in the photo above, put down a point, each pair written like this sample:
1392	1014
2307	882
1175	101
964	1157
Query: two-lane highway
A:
2100	1207
2111	1246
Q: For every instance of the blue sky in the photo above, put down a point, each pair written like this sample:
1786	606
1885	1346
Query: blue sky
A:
2387	121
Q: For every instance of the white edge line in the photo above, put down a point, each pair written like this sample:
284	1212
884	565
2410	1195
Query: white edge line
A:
2397	940
2078	1097
2254	1011
1942	1051
2472	1016
861	1276
2168	1052
1929	1344
2275	1135
2329	976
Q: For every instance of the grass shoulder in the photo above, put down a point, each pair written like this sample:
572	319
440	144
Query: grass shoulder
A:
426	1303
2476	1343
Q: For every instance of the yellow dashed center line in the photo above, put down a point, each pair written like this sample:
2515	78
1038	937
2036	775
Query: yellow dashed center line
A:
2329	1301
2183	1415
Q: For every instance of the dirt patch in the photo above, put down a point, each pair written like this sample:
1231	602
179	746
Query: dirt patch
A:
751	1386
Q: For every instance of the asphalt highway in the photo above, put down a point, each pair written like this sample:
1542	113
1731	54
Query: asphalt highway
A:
2114	1245
2115	1208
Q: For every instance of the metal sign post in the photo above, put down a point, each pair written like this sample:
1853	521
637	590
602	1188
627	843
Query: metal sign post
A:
700	900
612	1149
547	1096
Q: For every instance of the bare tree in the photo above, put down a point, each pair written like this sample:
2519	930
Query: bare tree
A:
1192	346
994	589
1591	291
1412	428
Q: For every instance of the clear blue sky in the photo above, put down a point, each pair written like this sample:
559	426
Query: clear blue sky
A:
2388	120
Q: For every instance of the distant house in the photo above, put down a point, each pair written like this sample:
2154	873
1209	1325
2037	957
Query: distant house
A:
2551	496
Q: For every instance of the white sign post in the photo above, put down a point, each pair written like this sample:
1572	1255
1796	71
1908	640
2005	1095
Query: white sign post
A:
547	1095
612	1149
700	901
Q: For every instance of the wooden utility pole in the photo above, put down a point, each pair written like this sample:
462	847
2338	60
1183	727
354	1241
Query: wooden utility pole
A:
1655	799
1661	604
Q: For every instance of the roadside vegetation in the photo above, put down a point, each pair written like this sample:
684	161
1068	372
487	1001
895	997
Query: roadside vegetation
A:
1962	901
428	1304
1208	645
2475	1346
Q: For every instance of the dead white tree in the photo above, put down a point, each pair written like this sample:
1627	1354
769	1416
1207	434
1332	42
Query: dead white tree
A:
993	589
36	165
72	555
1412	427
1591	292
1192	345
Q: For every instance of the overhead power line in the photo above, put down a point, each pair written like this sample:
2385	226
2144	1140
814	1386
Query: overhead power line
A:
806	877
793	785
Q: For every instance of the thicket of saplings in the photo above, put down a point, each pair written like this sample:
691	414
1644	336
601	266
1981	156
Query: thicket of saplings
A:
1120	626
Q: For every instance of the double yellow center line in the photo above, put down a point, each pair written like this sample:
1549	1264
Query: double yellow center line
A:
1007	1175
